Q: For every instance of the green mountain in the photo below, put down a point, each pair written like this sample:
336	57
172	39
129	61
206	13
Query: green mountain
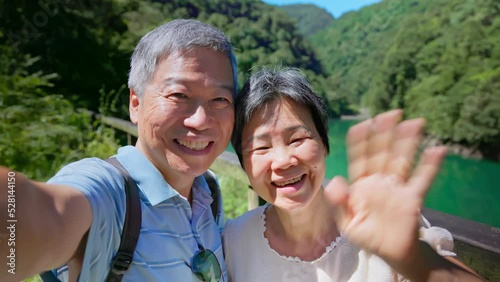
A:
310	18
436	59
56	57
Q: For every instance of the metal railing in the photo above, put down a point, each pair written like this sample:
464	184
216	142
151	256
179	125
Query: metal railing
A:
477	244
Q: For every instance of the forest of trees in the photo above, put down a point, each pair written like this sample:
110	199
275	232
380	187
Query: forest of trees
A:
310	18
436	59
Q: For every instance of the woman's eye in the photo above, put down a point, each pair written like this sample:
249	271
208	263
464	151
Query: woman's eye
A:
260	148
297	141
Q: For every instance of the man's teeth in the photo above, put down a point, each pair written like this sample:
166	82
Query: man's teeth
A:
194	145
289	181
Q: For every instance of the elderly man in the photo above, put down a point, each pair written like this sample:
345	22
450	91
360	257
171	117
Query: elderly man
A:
182	88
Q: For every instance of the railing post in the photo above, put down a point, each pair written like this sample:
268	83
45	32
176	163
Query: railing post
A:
253	199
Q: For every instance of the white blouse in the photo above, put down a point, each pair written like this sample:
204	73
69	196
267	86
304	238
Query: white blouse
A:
249	257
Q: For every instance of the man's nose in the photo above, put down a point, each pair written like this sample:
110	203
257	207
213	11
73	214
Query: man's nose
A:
199	119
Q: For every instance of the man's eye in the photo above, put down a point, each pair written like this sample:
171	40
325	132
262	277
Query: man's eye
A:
178	95
221	102
221	99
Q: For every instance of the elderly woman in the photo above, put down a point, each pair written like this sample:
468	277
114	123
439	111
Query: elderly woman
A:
367	230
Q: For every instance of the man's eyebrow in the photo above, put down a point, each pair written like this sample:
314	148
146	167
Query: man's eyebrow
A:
174	80
170	81
229	88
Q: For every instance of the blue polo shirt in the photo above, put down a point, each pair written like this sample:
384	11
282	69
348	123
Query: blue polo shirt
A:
172	230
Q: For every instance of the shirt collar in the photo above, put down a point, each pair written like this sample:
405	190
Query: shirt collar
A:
149	180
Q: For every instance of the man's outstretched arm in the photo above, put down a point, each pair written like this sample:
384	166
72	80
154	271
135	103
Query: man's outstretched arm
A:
41	225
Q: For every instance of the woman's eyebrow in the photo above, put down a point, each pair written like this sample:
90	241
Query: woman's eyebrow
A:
263	136
296	127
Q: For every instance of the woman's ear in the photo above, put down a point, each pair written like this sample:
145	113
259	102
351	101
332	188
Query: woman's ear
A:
133	106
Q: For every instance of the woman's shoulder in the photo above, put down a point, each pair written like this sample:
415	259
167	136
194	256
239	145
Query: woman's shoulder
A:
247	220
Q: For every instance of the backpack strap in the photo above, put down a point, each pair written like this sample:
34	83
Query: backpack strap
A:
214	191
130	233
131	226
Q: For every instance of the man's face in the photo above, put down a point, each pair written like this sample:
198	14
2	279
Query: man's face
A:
185	116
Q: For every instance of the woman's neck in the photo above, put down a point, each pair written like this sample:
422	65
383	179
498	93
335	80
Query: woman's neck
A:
304	233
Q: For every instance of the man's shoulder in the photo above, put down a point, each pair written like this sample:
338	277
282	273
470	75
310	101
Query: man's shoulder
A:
88	166
92	176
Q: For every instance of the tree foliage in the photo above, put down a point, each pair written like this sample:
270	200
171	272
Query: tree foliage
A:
310	18
40	132
434	59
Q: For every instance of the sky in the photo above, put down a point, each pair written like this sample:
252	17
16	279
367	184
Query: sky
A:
335	7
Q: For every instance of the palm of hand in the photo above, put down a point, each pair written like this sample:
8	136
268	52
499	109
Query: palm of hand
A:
379	210
382	216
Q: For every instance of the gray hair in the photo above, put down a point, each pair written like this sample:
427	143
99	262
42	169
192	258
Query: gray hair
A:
268	85
170	37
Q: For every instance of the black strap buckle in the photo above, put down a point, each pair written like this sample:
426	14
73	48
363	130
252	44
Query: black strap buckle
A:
121	263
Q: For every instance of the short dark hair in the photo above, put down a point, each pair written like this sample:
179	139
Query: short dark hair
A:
270	84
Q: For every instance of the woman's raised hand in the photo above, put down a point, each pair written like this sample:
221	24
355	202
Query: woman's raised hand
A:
379	209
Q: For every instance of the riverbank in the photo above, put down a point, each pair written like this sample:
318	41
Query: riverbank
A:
453	148
491	154
429	141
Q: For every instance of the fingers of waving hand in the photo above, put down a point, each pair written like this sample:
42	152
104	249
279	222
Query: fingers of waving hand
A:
369	144
381	139
357	144
407	137
426	171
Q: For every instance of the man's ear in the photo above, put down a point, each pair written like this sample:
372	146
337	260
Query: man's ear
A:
133	106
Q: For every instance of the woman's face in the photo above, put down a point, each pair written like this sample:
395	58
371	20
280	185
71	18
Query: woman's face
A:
283	154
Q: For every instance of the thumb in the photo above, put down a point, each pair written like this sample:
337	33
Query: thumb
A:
337	195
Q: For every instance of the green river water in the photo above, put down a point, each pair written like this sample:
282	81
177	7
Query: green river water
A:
467	188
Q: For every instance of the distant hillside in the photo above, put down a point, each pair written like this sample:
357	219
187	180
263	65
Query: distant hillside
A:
55	58
310	18
438	59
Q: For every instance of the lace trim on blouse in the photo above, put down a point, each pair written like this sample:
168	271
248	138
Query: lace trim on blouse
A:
328	249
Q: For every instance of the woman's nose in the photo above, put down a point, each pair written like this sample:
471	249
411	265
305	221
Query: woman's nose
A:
283	158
